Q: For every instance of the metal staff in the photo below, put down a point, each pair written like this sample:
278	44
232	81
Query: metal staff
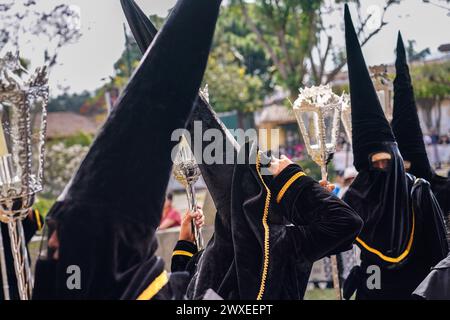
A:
318	112
21	262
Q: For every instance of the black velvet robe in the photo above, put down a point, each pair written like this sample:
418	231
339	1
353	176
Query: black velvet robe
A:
404	233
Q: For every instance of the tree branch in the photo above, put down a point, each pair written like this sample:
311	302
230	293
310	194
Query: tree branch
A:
361	29
259	35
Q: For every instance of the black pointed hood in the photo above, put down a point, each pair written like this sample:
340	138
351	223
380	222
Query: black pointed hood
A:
405	123
388	224
106	224
369	125
143	30
217	176
219	252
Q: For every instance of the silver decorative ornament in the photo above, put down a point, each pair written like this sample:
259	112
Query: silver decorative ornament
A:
23	123
186	171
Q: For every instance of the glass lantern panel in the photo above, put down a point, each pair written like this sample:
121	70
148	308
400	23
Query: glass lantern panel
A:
331	127
38	123
311	122
347	122
10	169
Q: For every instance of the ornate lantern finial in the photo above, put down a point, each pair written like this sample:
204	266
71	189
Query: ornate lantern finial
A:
205	92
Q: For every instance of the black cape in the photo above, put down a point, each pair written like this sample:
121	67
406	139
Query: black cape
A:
106	223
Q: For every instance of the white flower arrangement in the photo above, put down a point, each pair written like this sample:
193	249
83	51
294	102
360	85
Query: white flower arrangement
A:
61	163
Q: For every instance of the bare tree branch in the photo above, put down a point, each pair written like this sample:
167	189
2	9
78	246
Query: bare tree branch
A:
361	29
252	25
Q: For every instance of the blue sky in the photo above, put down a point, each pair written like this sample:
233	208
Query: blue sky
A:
87	63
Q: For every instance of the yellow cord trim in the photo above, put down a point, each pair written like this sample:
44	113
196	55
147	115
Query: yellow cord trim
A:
182	253
403	255
38	219
154	287
266	231
288	184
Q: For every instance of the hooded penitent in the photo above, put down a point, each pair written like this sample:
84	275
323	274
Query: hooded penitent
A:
252	253
106	223
395	236
218	254
408	133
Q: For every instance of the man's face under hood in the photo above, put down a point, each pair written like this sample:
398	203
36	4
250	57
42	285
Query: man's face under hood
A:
380	195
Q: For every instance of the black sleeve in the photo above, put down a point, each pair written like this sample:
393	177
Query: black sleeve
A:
182	255
323	224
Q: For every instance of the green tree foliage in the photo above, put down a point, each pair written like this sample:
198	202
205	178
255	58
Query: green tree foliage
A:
237	74
296	38
82	139
432	86
68	102
230	87
313	170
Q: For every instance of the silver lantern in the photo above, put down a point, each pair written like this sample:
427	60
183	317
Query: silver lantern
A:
23	101
187	172
384	88
318	113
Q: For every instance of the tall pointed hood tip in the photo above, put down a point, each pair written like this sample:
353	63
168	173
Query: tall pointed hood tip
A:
141	27
370	126
405	122
347	12
399	38
401	52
